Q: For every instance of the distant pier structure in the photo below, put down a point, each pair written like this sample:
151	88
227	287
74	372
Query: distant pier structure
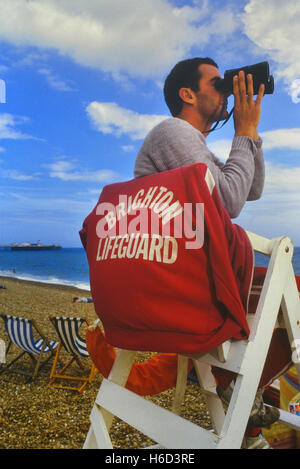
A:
31	246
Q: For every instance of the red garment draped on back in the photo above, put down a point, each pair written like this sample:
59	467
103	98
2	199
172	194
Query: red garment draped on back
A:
151	291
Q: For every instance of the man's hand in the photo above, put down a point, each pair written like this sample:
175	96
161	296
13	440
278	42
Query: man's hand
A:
246	111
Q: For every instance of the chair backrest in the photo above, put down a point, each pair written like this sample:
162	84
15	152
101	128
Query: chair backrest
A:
68	332
20	332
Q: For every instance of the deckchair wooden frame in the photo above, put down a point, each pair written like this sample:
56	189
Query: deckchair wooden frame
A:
278	305
38	362
60	375
2	351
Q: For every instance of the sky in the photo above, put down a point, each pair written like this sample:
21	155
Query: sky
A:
82	85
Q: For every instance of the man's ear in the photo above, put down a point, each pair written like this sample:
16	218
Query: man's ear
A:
187	95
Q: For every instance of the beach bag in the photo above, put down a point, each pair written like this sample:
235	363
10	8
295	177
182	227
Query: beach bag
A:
150	377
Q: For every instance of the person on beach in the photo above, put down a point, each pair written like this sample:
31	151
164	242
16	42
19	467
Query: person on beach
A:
195	104
82	299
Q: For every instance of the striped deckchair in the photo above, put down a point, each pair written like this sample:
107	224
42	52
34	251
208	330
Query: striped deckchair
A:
67	330
20	332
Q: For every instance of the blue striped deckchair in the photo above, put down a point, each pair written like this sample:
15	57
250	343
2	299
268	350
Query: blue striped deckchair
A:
67	330
20	332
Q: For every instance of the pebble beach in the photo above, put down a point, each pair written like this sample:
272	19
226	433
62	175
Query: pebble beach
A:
35	415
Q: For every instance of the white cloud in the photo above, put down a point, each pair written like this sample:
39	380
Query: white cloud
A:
66	171
220	148
46	202
3	68
109	118
274	26
128	148
2	91
295	90
281	138
54	81
282	181
26	207
31	59
137	37
16	175
8	124
277	213
272	139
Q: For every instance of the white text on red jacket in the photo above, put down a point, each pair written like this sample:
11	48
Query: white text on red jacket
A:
147	224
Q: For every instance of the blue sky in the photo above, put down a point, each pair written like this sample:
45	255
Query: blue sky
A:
84	86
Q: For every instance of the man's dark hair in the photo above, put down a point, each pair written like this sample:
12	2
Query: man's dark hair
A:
185	74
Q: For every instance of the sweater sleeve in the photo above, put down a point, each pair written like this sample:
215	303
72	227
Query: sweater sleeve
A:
259	173
176	143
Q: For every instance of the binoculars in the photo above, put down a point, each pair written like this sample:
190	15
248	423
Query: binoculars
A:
260	73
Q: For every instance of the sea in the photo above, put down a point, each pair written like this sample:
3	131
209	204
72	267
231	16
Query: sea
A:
69	266
65	266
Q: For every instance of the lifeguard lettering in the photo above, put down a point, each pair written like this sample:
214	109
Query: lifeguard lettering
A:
149	247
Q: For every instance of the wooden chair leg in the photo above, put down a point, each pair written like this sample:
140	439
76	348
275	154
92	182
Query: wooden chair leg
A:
58	375
38	361
119	375
180	383
8	365
92	373
55	361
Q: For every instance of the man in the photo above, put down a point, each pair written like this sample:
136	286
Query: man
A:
195	104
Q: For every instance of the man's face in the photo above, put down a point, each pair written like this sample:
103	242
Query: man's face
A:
209	100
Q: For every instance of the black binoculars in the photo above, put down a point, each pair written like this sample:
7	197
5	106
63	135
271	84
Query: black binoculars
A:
260	73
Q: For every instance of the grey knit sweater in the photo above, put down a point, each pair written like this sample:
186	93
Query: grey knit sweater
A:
174	142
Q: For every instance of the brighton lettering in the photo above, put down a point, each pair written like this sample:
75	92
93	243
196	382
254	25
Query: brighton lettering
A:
157	198
151	211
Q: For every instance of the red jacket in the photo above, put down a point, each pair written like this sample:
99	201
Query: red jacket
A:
150	290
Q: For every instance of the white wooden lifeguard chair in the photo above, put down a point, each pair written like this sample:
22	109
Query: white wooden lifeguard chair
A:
278	306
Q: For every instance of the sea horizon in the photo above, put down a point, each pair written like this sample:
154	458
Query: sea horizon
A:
68	266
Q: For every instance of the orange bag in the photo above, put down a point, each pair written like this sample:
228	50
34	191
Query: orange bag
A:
151	377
